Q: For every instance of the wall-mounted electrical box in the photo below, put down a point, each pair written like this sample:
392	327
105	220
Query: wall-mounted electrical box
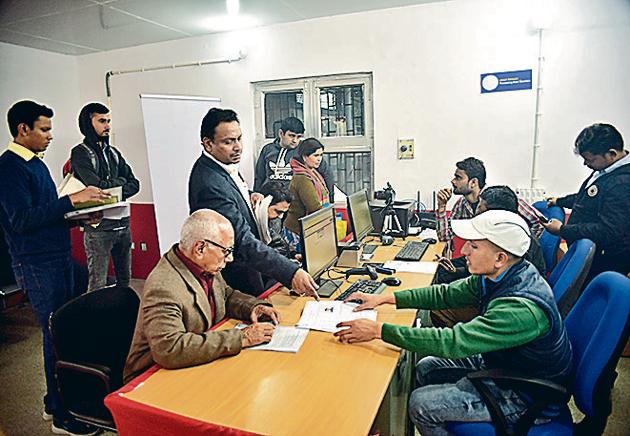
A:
405	148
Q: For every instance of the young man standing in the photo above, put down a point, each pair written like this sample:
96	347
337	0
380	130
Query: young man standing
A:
274	158
38	236
601	208
96	162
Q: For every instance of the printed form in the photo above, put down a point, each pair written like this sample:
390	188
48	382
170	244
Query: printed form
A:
285	339
325	315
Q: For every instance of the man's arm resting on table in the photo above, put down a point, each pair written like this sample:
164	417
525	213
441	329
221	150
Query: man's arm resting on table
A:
460	293
507	323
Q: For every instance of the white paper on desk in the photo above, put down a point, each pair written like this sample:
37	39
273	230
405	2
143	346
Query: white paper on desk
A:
428	233
414	267
325	315
285	339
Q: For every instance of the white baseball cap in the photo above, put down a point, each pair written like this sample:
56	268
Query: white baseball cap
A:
505	229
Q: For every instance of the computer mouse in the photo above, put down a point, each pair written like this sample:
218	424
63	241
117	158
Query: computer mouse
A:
391	281
387	240
430	240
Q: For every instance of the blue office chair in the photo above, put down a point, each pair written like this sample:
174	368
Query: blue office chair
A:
548	242
598	328
567	278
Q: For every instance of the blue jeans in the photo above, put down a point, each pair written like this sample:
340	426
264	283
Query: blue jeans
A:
48	284
447	395
98	246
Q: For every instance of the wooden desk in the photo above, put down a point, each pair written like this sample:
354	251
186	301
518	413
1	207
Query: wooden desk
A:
326	388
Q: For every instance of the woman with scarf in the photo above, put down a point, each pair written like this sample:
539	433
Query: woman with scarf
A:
269	212
307	186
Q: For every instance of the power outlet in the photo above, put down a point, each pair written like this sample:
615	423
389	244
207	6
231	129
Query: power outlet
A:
406	148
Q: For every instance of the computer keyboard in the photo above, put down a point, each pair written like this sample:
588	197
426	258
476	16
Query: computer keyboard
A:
365	286
369	249
412	251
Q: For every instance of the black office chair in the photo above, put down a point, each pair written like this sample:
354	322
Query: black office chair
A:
92	335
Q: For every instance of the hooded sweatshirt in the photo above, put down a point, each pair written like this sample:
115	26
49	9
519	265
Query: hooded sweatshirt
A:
111	169
274	164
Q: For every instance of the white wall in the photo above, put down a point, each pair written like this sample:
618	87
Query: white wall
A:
426	61
587	54
50	79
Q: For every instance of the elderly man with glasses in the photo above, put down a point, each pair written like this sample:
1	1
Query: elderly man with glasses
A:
185	295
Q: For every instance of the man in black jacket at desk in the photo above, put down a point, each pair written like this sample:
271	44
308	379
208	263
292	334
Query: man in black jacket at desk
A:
215	183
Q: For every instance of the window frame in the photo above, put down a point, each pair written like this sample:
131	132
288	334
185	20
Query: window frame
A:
310	87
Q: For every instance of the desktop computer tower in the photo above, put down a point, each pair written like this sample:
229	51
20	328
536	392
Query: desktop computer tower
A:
404	212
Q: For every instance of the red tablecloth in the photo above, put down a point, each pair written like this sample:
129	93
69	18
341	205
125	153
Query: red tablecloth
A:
134	418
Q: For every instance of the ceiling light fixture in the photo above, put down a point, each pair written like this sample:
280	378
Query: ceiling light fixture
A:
228	22
233	7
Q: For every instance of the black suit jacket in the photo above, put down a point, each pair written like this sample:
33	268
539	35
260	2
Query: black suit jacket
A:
211	187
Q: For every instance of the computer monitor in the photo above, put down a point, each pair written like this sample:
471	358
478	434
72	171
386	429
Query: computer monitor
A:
359	214
319	241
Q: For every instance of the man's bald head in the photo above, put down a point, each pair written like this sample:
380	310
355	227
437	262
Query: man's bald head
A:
204	224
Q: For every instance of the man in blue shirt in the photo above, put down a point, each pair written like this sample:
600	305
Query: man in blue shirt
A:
32	217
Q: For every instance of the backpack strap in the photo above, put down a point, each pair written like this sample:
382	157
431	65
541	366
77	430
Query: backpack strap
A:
116	155
92	155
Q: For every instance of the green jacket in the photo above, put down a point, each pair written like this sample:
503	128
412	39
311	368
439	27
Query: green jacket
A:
507	323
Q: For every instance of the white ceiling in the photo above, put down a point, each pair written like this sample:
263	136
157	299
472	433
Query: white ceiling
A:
77	27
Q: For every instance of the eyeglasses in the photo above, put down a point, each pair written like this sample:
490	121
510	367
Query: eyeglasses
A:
226	250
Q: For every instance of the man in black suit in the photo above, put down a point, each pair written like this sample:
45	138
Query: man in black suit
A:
215	183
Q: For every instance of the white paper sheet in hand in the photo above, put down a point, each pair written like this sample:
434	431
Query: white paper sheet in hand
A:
414	267
117	213
285	339
325	315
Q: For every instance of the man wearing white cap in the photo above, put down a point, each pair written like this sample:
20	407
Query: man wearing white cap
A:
518	327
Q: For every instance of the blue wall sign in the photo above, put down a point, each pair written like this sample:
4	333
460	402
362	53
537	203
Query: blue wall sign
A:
506	81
